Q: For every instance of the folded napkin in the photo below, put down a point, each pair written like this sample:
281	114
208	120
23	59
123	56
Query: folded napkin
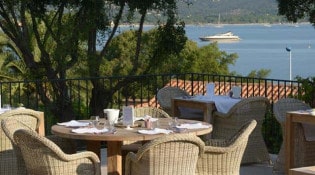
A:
89	130
146	117
153	119
74	123
155	131
193	126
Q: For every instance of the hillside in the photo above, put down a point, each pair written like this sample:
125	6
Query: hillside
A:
231	11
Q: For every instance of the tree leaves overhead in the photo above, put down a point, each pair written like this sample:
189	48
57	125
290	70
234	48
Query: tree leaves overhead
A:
297	9
53	36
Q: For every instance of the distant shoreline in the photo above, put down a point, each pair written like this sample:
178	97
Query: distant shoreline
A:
214	24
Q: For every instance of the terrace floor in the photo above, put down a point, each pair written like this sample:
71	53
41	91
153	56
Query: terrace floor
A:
256	169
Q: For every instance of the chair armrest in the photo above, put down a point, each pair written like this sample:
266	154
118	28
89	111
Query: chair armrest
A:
82	155
86	156
69	157
131	157
220	145
217	146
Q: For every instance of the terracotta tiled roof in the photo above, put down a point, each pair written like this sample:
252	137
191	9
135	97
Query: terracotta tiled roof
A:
272	92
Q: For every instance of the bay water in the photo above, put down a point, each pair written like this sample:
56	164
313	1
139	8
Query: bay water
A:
264	47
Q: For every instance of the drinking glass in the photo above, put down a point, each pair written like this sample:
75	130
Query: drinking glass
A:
155	124
94	121
7	106
173	123
110	125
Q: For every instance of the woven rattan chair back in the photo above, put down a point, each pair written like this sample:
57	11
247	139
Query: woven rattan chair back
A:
305	148
282	106
151	111
165	96
8	162
42	156
227	124
223	157
133	146
167	155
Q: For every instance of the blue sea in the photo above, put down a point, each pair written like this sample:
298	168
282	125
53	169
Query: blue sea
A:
264	47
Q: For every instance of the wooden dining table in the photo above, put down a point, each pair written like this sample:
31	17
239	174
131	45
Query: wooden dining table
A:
292	118
208	105
115	140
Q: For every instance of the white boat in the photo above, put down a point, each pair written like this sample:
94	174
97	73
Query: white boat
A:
228	36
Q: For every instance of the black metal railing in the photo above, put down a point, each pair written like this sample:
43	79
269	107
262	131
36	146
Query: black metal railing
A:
141	91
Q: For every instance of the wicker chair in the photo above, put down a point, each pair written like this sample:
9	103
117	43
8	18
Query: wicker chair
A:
42	156
224	156
10	157
131	146
165	96
226	125
304	148
152	111
167	155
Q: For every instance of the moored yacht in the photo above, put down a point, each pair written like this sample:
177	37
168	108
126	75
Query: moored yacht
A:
228	36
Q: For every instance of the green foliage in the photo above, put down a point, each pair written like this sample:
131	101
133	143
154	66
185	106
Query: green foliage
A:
58	38
12	65
262	73
159	57
307	90
272	128
120	55
294	10
210	59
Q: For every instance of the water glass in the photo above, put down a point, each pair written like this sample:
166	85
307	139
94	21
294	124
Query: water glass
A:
155	124
173	123
7	106
94	121
110	125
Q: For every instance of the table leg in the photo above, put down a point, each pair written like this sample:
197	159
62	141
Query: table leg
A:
208	110
175	110
289	143
114	159
207	117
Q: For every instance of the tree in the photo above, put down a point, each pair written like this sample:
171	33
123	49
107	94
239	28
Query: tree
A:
158	58
297	9
53	37
307	90
294	10
212	60
262	73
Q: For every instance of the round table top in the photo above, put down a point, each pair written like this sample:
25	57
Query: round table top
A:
123	134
